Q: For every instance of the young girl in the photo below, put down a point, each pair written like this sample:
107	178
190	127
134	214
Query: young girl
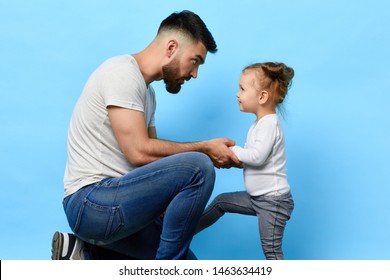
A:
263	87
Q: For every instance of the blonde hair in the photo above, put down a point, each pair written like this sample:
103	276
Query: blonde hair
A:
276	77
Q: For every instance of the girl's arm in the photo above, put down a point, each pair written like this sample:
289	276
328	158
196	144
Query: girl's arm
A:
259	145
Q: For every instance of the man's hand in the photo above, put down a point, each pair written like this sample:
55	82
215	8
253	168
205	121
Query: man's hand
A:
219	152
140	146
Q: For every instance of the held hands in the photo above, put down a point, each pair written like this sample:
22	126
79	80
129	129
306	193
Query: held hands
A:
220	153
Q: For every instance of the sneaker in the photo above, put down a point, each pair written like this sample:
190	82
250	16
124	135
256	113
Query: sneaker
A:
65	246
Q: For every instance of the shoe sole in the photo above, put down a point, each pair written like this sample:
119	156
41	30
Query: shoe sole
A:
56	246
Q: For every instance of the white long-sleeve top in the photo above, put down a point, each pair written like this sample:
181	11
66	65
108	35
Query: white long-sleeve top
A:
264	158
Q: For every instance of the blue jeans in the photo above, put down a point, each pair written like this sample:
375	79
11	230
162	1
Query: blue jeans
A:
272	212
124	214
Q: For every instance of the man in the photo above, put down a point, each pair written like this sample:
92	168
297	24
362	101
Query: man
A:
125	190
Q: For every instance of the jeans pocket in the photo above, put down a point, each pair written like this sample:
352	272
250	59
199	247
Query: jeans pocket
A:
98	222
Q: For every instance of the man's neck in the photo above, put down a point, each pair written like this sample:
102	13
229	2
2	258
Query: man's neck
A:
150	63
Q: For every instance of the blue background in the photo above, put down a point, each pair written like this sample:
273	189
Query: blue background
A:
336	122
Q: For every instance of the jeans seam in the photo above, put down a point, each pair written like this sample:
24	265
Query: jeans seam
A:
144	176
273	232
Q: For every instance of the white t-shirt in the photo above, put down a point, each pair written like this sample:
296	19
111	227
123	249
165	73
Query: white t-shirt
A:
93	151
264	158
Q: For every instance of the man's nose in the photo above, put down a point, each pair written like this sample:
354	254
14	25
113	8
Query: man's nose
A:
194	73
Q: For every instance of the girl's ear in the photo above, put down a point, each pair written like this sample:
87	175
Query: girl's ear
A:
172	46
262	97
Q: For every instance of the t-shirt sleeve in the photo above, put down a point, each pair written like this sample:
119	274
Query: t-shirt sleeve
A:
153	106
122	87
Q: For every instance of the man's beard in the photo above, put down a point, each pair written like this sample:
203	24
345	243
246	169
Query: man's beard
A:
171	76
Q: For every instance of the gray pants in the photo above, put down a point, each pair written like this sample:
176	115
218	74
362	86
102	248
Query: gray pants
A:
272	212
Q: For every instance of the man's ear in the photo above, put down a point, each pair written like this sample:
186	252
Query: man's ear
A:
262	96
172	46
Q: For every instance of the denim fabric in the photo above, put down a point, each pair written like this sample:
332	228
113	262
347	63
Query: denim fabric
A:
123	214
272	212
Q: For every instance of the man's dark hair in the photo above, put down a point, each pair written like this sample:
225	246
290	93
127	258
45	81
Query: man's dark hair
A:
192	25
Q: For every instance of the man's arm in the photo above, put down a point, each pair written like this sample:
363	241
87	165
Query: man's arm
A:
152	133
141	147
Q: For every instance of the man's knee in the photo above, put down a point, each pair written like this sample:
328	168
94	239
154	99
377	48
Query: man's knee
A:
200	158
203	162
